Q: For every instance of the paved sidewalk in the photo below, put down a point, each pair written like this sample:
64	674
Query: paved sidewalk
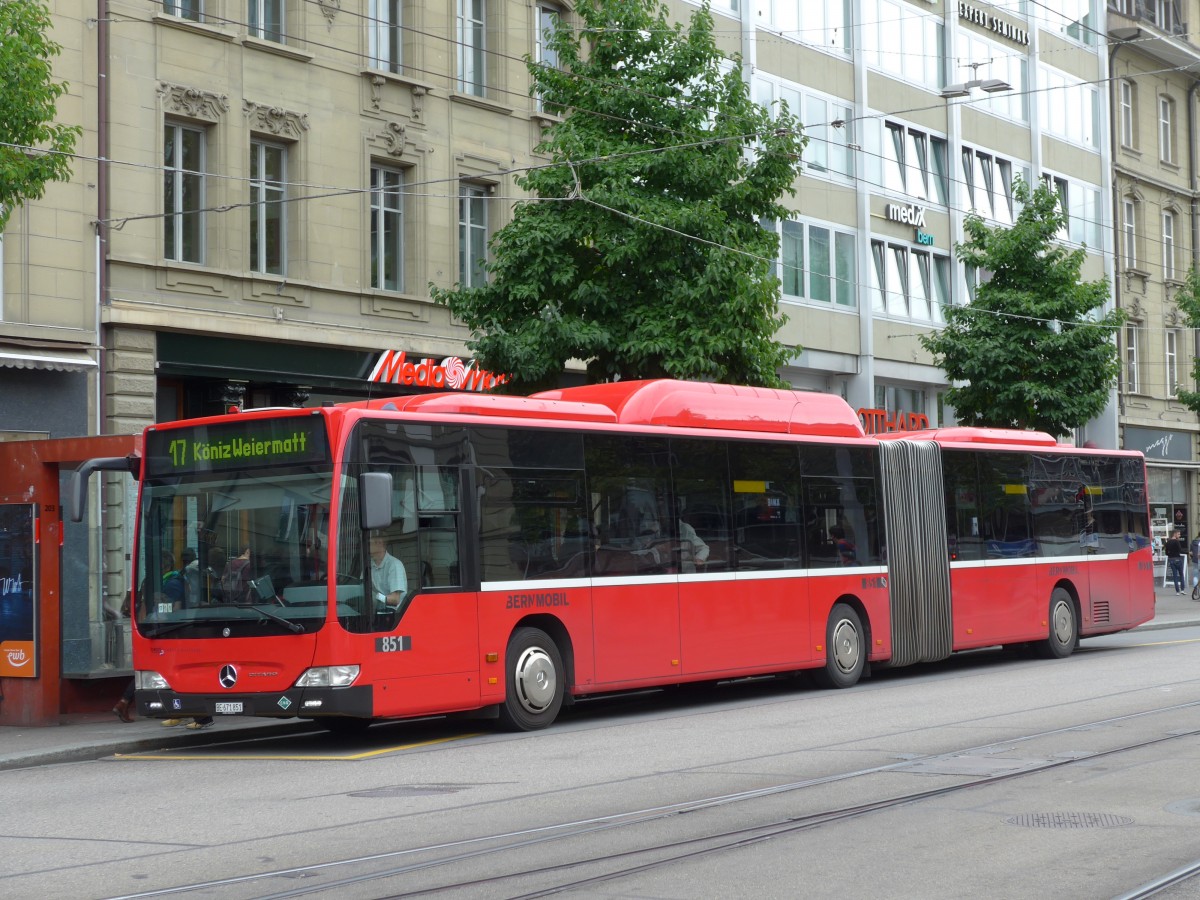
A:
96	735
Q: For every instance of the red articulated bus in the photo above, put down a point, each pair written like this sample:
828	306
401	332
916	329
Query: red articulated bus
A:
598	539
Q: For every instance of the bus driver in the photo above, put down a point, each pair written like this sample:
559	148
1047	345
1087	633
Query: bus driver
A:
388	578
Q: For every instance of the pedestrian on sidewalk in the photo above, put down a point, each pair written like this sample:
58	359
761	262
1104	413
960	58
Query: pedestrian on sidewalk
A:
1174	551
1194	553
123	709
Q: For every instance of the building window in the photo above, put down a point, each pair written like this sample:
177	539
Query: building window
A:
549	19
1133	383
387	228
1080	204
265	20
472	29
472	234
1166	129
1076	19
1129	232
909	283
1070	109
989	183
1165	14
383	34
913	163
903	41
1172	362
1127	90
828	150
829	276
1168	246
1002	62
185	9
973	278
818	23
183	193
268	207
897	399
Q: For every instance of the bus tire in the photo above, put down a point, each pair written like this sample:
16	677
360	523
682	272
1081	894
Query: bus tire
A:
1064	627
845	649
534	681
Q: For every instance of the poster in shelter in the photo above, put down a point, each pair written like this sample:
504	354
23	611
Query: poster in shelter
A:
18	594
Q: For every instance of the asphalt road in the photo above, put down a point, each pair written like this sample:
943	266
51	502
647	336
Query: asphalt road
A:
985	776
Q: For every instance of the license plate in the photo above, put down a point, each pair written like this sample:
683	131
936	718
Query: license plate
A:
228	709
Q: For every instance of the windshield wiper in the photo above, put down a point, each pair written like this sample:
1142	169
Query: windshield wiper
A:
293	627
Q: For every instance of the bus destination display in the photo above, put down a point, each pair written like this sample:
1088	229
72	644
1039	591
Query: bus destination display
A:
246	444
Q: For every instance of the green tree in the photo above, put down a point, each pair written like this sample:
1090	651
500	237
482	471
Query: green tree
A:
33	149
1188	298
1028	352
641	252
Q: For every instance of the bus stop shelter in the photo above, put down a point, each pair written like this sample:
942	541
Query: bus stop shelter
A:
49	592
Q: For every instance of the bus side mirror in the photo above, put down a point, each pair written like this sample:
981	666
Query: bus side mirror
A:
375	499
80	477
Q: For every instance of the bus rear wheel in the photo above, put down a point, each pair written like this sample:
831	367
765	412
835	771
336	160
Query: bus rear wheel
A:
845	649
534	682
1064	628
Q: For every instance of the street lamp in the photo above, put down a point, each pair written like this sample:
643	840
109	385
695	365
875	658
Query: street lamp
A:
963	88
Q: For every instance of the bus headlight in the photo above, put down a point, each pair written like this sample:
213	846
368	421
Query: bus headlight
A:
328	676
146	680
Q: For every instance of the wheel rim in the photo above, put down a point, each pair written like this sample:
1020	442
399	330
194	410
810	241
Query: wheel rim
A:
535	680
1062	625
846	647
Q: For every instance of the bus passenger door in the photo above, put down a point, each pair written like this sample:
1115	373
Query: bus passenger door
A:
743	603
635	591
421	643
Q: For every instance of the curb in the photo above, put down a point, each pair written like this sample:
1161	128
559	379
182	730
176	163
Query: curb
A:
91	752
1156	626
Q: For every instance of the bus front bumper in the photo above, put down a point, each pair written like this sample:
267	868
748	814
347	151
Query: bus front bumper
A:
355	702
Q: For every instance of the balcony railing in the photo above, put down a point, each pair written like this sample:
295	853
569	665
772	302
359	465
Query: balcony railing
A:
1165	15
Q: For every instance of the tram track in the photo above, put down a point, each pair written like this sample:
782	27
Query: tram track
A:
587	871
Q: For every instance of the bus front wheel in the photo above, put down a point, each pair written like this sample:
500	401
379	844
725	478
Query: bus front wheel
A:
845	649
1064	628
534	682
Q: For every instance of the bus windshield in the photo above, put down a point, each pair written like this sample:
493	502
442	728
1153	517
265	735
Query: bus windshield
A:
232	551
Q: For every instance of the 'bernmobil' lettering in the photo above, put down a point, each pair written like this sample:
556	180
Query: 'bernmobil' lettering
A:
524	601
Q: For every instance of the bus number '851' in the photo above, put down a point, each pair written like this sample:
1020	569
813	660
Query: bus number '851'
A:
393	643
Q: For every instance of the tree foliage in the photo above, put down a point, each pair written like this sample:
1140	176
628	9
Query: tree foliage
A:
641	252
1188	299
1028	352
33	148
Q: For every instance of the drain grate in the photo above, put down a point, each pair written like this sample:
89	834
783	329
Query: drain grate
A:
1069	820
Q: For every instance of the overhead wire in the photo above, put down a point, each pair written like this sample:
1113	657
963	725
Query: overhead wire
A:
354	14
449	76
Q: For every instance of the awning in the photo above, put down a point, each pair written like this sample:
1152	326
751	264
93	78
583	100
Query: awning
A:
54	360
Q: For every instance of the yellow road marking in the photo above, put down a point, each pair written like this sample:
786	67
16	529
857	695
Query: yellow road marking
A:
350	757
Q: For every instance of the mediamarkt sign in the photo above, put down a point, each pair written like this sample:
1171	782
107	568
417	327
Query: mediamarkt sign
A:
451	373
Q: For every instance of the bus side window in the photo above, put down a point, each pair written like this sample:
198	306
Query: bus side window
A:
1006	514
702	527
766	504
963	514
